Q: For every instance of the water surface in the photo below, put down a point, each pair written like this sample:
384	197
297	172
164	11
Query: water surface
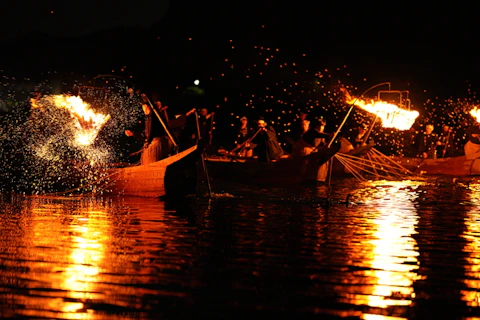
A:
399	250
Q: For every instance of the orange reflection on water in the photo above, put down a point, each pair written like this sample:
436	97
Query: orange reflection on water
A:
80	242
394	257
472	236
87	253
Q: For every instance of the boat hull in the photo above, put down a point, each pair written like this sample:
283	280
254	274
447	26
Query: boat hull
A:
252	172
280	173
454	166
173	176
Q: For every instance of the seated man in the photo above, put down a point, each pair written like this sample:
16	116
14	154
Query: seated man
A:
445	145
426	142
312	139
243	135
267	146
315	139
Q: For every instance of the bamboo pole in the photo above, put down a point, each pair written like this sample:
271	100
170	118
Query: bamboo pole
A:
351	108
205	171
163	124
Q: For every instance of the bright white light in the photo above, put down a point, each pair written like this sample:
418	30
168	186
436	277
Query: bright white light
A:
196	82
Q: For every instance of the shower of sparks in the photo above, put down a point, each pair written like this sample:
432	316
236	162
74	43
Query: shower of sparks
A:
85	123
56	142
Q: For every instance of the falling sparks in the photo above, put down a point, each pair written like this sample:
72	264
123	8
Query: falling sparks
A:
57	142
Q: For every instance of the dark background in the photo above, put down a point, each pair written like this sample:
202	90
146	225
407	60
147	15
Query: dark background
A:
430	45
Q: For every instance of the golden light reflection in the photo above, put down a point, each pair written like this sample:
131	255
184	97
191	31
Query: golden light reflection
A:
85	258
394	258
80	244
369	316
472	236
80	275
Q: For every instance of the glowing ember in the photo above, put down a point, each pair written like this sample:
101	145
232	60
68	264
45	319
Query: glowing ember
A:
87	123
391	115
475	112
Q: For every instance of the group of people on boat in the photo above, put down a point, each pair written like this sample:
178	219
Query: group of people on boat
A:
308	143
447	143
163	136
306	137
261	142
155	136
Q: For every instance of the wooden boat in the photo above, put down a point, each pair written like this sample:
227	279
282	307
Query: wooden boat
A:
453	166
366	163
174	176
374	163
283	172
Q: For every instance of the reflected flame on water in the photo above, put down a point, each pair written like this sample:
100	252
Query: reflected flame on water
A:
369	316
80	276
86	235
394	255
471	235
79	258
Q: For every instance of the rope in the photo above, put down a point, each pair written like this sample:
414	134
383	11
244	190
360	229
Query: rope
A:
373	164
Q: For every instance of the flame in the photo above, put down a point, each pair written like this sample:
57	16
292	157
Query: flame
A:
86	121
390	114
34	103
475	112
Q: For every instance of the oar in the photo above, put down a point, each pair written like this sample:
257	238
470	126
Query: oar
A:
202	155
244	145
135	153
423	159
210	136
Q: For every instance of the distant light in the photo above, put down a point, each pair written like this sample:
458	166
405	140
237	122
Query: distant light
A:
196	82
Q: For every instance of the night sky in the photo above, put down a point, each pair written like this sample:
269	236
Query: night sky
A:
74	18
432	45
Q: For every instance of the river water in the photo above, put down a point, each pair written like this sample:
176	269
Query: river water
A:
398	250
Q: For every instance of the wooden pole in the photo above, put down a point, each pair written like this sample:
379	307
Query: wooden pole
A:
163	124
351	108
370	130
210	136
244	145
205	171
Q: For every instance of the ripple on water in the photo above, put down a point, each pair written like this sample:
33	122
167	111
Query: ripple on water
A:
401	249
